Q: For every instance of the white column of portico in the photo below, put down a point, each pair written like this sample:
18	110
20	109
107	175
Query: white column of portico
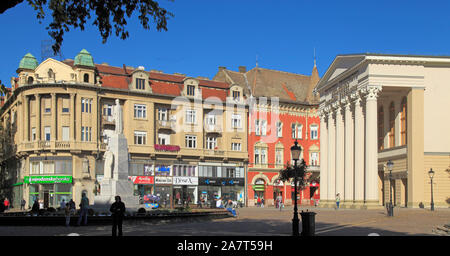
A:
371	175
359	149
348	169
339	150
331	168
323	156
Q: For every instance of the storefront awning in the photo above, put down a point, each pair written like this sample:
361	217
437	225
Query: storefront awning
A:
258	187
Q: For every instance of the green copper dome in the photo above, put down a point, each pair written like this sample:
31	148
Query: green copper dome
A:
84	58
28	62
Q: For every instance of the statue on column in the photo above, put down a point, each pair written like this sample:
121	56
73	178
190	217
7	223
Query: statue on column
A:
118	117
109	161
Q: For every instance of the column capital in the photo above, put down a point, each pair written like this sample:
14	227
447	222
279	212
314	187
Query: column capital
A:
372	92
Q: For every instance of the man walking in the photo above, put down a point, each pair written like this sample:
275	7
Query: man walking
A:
117	209
84	205
22	204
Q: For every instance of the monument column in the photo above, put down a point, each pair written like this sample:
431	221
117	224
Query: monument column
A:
339	151
359	149
331	167
371	177
348	166
323	155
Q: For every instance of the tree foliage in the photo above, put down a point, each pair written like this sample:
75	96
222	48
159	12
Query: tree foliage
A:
290	172
108	14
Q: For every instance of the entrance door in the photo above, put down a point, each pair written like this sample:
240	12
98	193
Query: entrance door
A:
46	198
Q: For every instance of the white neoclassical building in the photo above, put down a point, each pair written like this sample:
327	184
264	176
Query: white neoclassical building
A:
375	108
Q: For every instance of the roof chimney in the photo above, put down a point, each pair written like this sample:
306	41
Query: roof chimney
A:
242	69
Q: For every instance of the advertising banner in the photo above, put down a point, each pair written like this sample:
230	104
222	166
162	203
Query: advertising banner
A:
185	180
142	179
50	179
222	181
163	180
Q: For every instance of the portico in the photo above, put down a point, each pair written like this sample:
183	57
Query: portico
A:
370	107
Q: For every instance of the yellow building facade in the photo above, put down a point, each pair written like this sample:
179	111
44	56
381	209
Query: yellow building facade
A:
177	128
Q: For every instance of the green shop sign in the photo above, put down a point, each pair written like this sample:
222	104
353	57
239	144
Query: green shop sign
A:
47	179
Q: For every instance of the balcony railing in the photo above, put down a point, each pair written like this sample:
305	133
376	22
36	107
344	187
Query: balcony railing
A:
213	128
166	124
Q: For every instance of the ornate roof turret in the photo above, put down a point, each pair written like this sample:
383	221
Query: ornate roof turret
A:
28	62
84	59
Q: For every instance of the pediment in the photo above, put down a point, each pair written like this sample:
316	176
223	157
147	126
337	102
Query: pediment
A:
62	71
341	64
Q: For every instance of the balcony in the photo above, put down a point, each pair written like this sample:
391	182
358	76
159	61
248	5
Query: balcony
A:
165	124
107	120
213	128
214	152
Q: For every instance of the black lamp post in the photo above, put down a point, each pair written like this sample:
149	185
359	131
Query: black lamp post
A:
431	175
390	165
295	153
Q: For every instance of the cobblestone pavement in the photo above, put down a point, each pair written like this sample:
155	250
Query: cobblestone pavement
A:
268	221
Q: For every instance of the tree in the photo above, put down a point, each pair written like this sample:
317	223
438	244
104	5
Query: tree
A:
74	13
290	172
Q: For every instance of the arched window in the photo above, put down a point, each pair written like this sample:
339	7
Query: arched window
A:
86	78
51	74
381	128
392	125
30	80
403	122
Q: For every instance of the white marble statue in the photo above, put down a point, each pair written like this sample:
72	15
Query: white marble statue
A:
109	161
118	117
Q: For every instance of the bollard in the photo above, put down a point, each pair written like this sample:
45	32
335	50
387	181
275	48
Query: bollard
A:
308	223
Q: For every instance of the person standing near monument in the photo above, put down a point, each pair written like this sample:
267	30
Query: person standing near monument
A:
118	210
109	160
84	205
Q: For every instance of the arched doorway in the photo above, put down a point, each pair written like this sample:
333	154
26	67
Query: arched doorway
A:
259	191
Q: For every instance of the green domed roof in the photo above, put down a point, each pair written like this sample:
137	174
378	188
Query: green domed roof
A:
28	62
84	58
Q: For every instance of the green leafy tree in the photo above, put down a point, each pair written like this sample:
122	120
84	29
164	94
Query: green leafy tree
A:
108	14
289	173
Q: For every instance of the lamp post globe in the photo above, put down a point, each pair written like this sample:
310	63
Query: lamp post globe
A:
431	175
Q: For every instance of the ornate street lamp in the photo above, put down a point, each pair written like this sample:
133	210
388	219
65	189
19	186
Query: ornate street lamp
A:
390	165
431	175
295	153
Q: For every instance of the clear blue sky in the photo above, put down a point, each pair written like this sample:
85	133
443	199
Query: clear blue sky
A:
206	34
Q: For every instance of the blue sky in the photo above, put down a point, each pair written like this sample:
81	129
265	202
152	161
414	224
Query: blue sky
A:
206	34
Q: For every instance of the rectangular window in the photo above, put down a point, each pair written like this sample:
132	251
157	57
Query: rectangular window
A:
211	119
49	167
86	105
300	131
163	139
33	134
294	131
35	168
47	133
65	133
190	116
140	84
263	156
314	132
190	90
191	141
140	138
236	121
107	109
279	129
140	111
65	110
257	128
278	156
257	156
48	110
162	114
314	158
263	127
236	146
211	142
82	133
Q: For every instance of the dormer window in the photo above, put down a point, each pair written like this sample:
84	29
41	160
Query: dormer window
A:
236	95
30	80
51	74
86	78
190	90
140	84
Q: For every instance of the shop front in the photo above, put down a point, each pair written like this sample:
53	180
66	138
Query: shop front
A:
49	190
211	188
143	186
185	190
163	190
259	190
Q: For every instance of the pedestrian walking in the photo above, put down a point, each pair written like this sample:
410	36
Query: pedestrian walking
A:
262	202
118	210
259	201
338	200
62	205
67	214
6	203
22	204
281	205
84	205
35	208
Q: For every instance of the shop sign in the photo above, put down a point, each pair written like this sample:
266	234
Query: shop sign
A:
185	180
222	181
168	148
51	179
141	179
163	180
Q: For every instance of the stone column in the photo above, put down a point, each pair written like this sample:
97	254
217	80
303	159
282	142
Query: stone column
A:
348	166
331	167
339	151
359	149
323	155
72	117
371	174
54	126
26	119
38	117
